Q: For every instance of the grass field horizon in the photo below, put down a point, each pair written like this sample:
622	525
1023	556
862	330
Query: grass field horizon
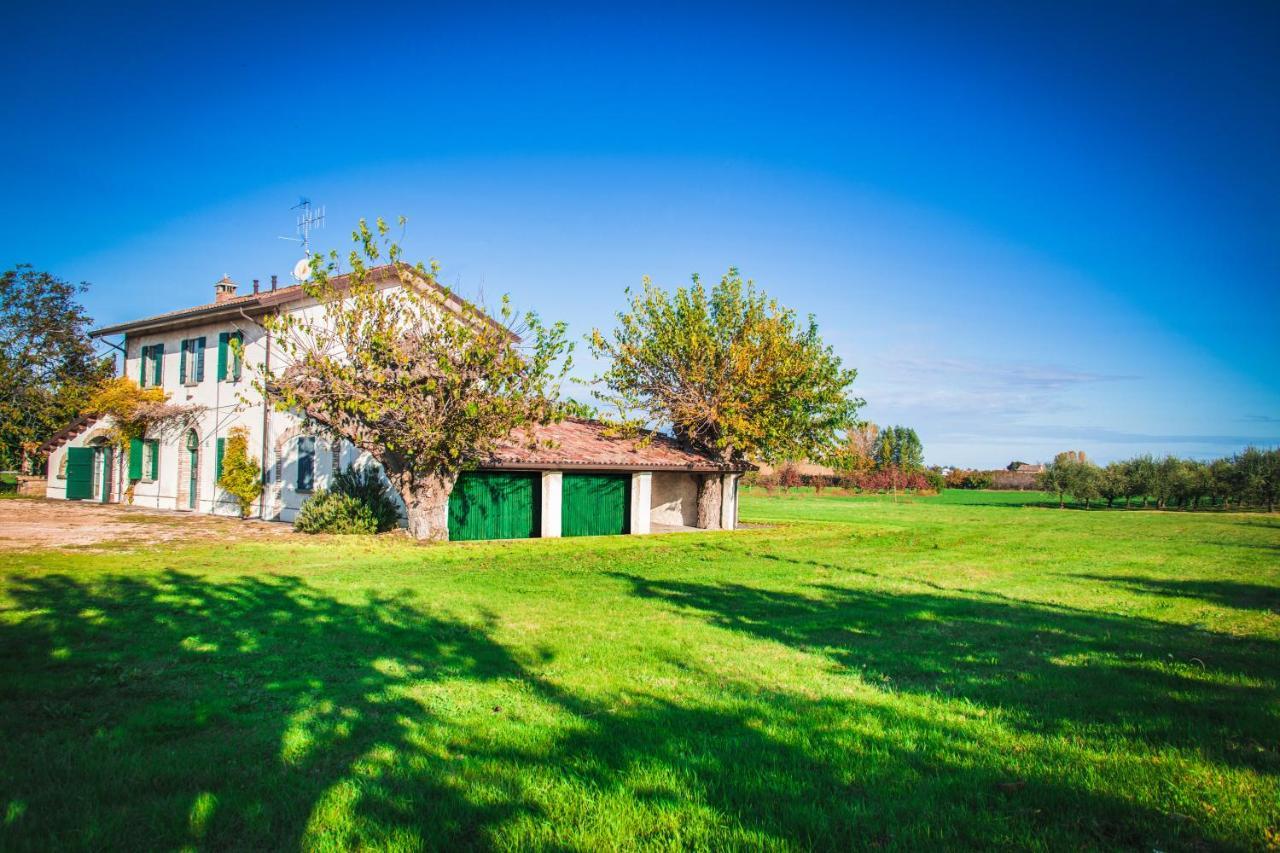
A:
950	671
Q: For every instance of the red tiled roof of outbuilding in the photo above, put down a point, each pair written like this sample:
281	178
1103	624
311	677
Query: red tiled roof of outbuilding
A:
578	444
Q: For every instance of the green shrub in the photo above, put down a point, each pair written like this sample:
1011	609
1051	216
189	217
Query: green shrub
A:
357	501
367	486
241	473
334	512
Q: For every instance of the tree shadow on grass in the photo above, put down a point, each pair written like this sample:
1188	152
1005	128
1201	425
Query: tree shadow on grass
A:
263	713
1235	594
1048	669
170	711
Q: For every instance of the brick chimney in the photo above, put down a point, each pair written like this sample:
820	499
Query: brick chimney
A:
224	289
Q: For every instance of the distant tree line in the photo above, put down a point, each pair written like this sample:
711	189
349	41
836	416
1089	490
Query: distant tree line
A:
967	478
1249	478
874	459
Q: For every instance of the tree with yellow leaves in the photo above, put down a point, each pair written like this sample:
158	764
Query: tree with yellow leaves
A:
729	372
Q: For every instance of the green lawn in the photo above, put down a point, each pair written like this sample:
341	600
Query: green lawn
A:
937	672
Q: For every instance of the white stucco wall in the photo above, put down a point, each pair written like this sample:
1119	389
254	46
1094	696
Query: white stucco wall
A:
641	502
552	497
729	501
674	498
225	404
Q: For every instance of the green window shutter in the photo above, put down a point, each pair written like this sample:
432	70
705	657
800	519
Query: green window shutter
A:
79	473
182	362
197	350
223	337
237	355
142	366
217	460
153	452
135	459
157	363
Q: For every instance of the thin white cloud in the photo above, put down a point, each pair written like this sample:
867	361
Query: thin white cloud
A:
968	390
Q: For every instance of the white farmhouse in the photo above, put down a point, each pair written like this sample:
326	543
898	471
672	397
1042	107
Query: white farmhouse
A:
582	482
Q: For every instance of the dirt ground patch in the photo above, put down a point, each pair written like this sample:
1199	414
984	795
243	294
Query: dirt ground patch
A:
31	524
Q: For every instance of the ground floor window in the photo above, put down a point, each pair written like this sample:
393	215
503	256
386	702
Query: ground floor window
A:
306	463
150	460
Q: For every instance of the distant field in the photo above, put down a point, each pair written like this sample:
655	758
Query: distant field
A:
966	497
948	497
962	671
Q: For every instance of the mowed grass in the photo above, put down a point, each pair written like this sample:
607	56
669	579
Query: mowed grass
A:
941	672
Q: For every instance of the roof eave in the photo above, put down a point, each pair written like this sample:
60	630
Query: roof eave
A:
193	318
70	431
269	298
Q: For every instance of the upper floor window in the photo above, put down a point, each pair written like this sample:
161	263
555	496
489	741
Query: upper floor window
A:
306	463
230	355
151	366
191	368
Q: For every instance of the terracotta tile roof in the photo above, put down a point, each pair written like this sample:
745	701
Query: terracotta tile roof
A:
583	444
260	301
67	433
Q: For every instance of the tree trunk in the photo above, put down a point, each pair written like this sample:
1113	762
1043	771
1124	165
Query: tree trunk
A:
709	500
426	500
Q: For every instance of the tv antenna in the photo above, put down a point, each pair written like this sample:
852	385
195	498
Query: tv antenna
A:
309	219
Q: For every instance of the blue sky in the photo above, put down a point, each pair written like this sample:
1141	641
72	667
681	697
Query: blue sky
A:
1031	227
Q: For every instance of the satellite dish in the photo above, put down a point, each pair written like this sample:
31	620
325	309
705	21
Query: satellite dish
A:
302	269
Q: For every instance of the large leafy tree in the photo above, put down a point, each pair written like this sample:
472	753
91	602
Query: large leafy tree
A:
727	371
48	368
423	381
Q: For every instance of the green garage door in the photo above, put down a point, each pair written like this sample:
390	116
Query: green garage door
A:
79	473
595	504
493	505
